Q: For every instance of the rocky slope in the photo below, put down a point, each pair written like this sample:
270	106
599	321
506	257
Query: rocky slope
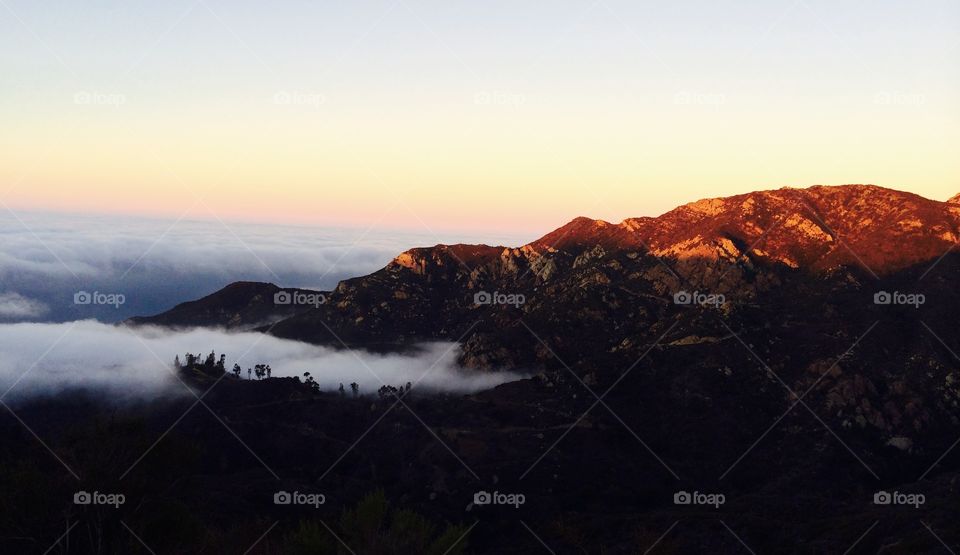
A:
795	349
740	247
611	280
240	305
792	272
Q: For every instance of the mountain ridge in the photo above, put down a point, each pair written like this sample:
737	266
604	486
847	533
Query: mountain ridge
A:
699	325
738	245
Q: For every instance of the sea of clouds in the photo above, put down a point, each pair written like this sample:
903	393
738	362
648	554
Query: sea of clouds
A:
46	259
123	363
49	342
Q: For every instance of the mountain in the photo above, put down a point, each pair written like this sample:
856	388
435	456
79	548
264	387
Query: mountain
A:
798	269
739	246
794	350
609	278
241	305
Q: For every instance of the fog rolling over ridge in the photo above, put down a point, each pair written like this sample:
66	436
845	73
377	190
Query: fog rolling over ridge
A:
40	359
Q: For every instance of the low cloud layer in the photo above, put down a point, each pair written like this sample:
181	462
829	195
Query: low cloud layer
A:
125	363
46	258
15	306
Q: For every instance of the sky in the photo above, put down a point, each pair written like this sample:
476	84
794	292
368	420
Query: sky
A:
502	116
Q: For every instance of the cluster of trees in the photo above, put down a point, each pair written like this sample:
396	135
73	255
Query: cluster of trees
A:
211	365
216	367
388	391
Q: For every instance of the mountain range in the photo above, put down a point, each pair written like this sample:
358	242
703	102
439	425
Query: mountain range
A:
772	372
611	280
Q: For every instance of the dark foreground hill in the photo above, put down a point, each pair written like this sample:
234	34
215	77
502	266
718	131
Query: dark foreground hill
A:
201	478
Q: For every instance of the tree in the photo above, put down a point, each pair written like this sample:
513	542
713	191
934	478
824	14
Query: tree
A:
221	364
355	389
211	361
268	370
248	374
314	386
176	362
342	392
237	370
387	391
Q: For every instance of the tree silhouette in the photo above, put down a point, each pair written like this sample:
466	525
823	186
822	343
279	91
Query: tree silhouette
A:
314	386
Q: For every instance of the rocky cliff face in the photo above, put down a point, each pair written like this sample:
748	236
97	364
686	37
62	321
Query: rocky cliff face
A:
740	247
778	281
799	344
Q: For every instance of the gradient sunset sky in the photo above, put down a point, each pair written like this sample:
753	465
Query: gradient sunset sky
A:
467	115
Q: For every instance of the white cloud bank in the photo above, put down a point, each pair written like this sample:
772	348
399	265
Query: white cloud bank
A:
16	306
125	363
156	264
